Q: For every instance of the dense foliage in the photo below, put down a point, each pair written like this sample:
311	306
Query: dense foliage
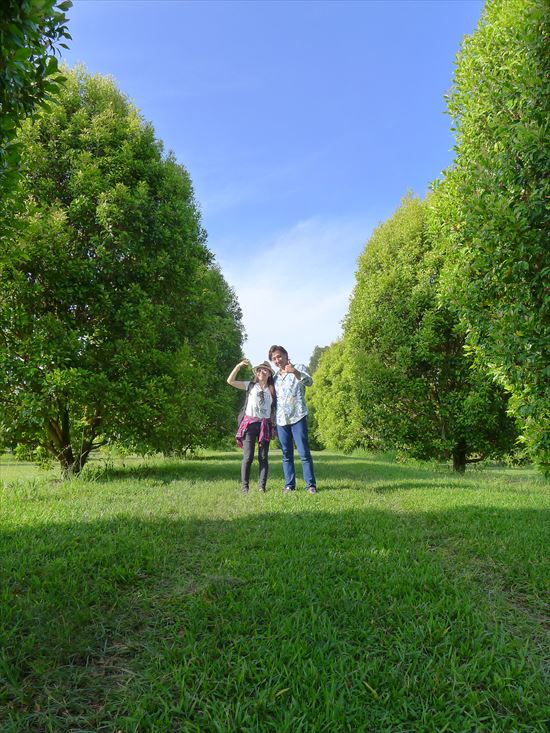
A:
453	296
114	322
314	442
339	421
402	367
318	351
30	32
491	210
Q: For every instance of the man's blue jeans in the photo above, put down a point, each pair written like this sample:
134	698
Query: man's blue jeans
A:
288	435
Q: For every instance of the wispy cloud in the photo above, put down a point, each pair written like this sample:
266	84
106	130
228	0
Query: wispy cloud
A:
295	289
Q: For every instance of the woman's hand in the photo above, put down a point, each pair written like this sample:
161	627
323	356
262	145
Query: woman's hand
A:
231	379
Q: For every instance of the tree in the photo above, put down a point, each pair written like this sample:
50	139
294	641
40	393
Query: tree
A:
410	375
318	351
339	419
491	214
30	32
115	325
314	440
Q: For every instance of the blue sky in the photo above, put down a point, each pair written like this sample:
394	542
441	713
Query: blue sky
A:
302	125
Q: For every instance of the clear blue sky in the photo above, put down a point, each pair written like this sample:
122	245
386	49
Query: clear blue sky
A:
302	125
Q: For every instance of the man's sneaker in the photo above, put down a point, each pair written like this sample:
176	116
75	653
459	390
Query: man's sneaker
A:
245	489
288	489
262	489
311	489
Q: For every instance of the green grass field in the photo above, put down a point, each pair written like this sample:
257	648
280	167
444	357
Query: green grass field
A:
153	596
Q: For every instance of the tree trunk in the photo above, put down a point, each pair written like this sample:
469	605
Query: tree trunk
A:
60	444
61	447
459	457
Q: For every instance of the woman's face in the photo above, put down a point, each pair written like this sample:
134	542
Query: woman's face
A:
262	373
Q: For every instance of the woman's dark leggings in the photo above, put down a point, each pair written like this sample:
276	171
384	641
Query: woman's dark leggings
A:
250	439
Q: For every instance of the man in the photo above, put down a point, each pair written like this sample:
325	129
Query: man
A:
290	384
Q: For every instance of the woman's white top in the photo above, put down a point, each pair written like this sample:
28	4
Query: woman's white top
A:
257	405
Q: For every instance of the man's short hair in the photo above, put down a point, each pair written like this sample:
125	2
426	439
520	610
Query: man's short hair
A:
275	348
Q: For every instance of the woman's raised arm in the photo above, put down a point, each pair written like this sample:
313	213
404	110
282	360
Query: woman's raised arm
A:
231	378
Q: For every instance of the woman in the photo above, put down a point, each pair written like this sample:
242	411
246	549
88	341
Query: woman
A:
257	423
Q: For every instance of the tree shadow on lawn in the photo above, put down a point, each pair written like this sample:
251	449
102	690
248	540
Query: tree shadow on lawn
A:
226	466
122	619
331	469
451	483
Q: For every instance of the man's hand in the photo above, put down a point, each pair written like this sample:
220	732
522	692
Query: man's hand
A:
289	369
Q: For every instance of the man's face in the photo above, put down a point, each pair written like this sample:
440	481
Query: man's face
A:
280	359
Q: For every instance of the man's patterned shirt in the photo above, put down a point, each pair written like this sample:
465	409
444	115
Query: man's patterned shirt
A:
291	404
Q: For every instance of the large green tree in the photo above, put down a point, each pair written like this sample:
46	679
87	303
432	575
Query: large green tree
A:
318	351
409	372
315	443
115	324
492	207
30	33
339	421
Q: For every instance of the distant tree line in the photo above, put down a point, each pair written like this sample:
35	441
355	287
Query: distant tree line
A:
446	345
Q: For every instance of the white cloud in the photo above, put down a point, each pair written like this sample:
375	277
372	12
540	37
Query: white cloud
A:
295	289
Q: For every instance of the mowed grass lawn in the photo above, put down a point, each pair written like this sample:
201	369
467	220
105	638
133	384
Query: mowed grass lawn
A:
154	596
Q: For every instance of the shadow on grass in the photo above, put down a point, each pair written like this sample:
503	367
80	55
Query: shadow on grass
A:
220	467
332	471
123	619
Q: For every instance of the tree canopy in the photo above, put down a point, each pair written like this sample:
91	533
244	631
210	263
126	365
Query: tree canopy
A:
30	33
491	209
401	378
318	351
339	421
115	323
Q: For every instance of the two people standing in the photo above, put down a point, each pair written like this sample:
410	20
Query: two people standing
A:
289	414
